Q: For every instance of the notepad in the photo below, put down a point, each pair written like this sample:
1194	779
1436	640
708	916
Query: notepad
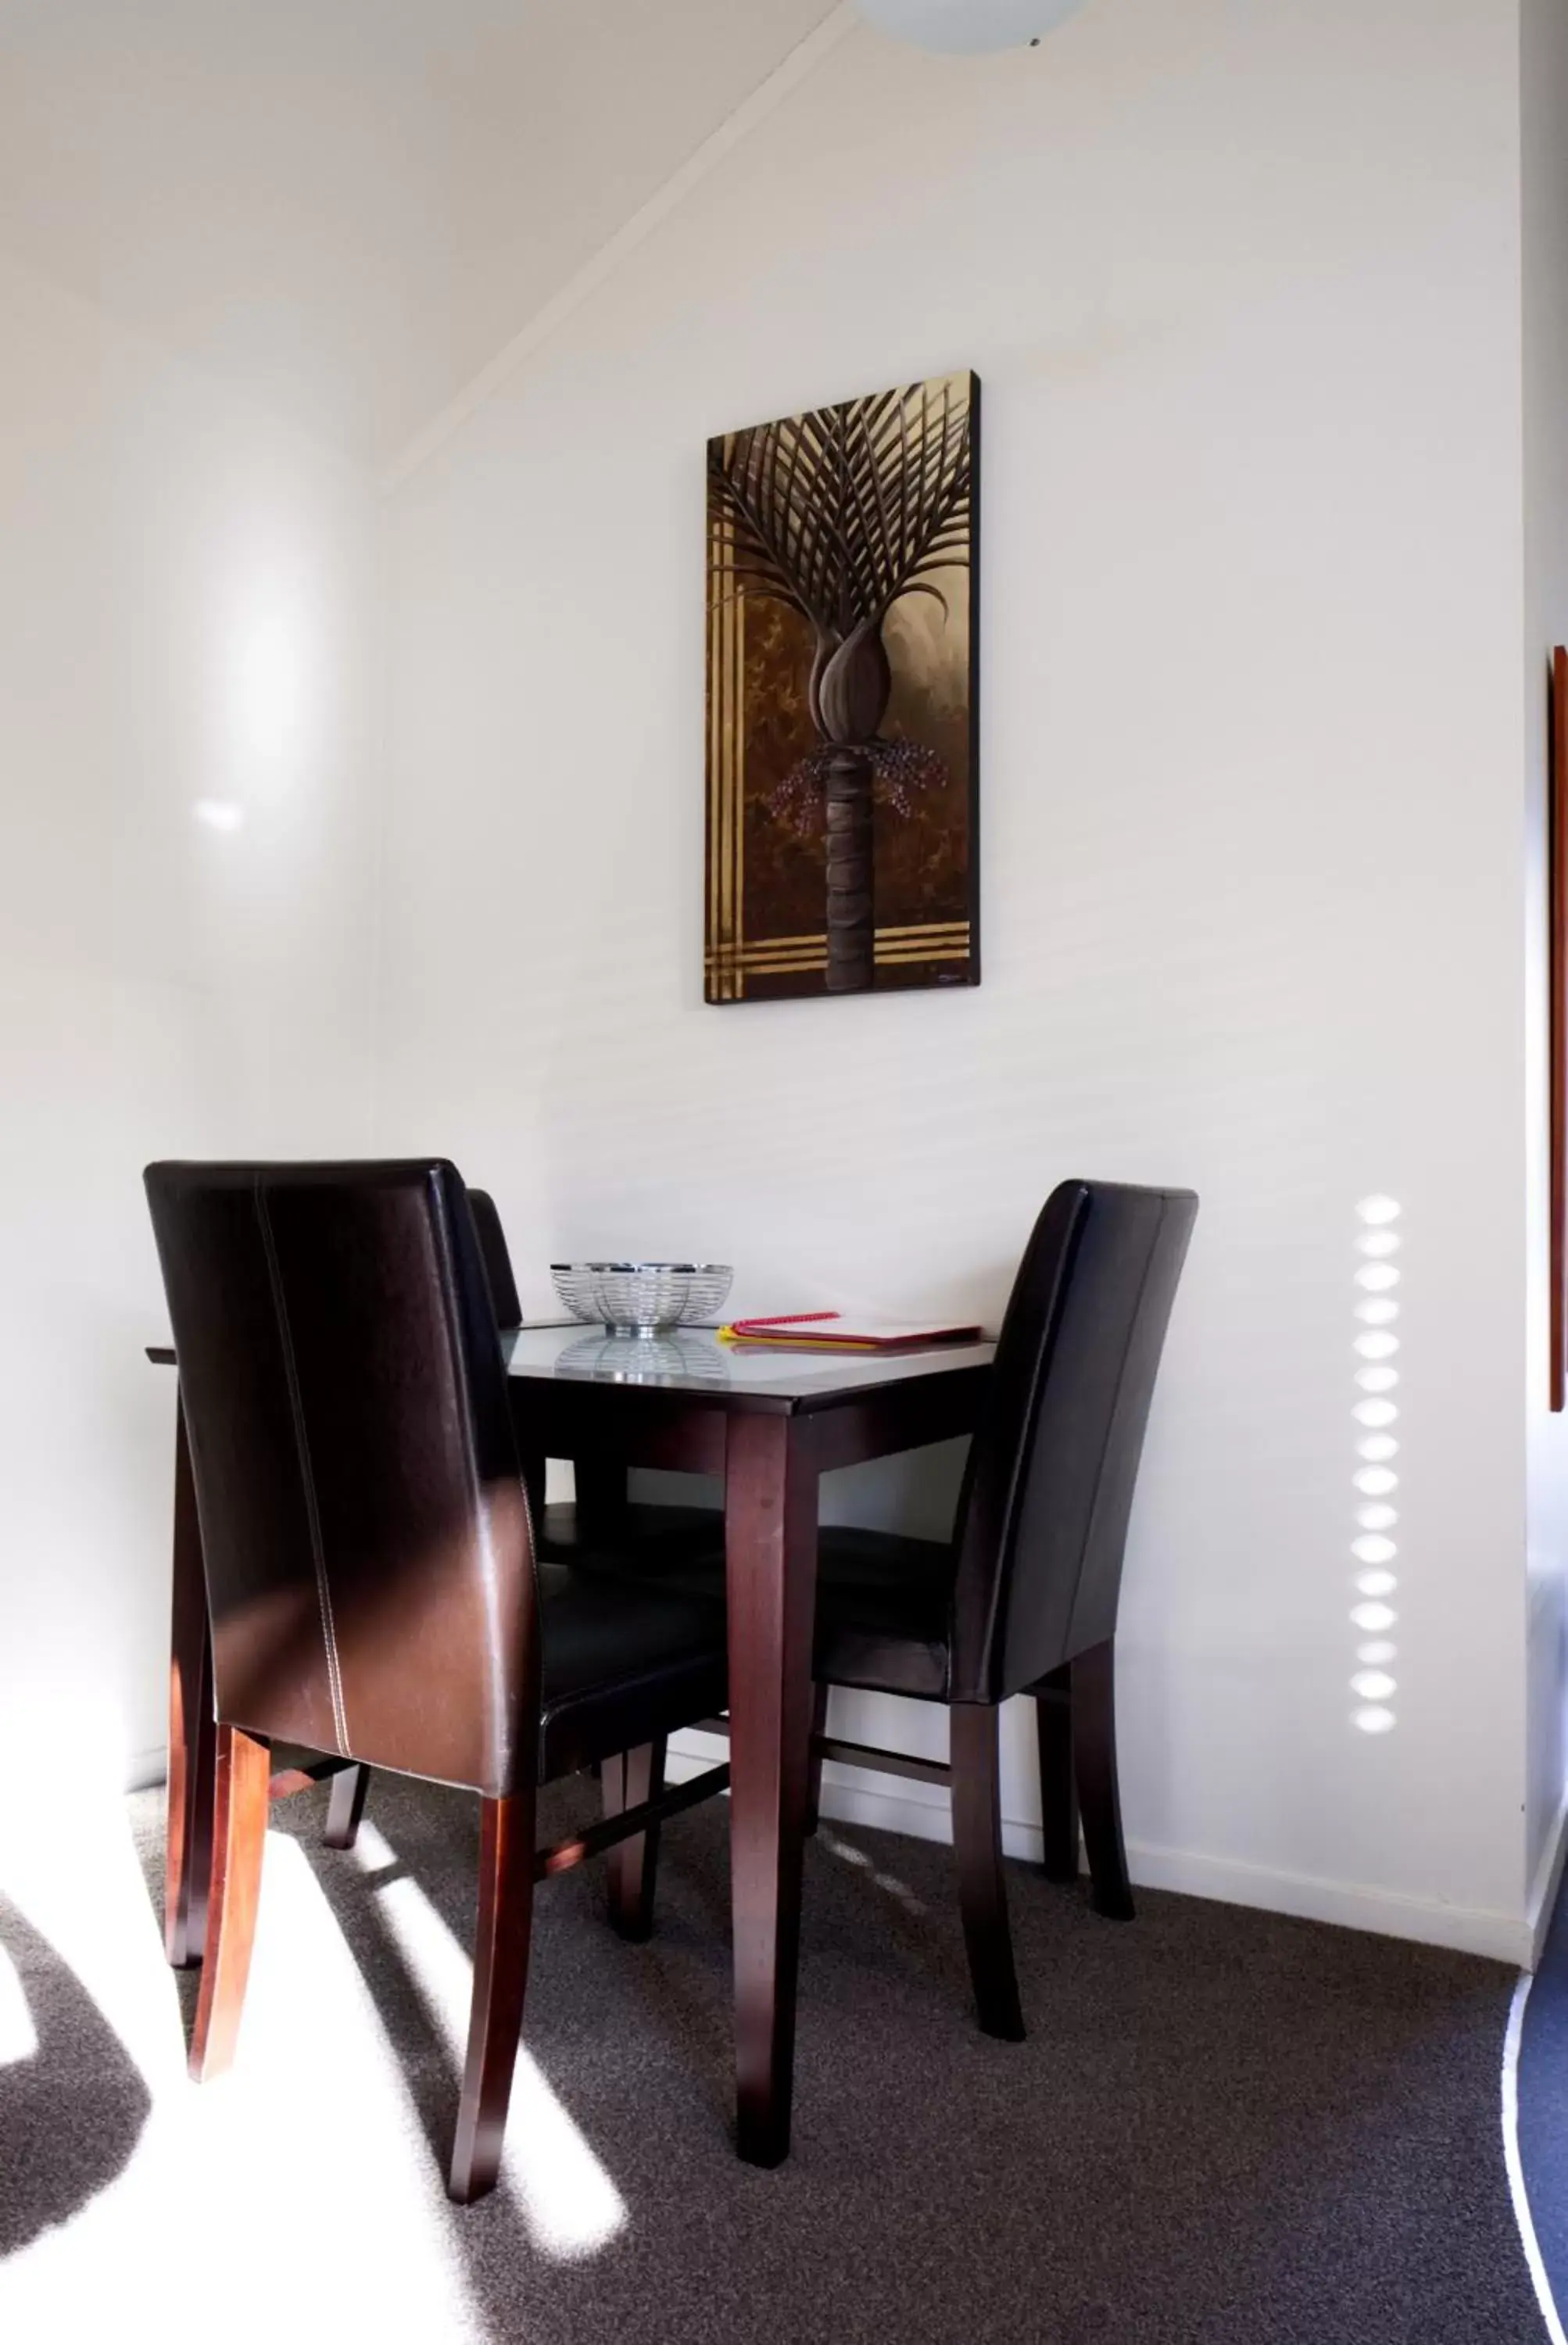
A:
831	1331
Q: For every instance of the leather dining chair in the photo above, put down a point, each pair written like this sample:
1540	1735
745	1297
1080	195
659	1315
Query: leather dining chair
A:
350	1784
561	1537
563	1530
1022	1597
371	1581
497	1260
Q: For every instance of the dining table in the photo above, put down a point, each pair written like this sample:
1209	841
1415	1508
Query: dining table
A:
765	1422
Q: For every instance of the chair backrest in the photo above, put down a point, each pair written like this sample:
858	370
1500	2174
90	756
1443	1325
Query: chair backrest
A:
364	1529
1042	1520
492	1239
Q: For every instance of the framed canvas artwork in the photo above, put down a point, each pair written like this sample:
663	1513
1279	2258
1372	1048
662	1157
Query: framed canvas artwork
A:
842	674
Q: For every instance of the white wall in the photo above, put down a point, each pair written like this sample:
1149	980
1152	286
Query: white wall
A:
1244	289
1544	85
185	607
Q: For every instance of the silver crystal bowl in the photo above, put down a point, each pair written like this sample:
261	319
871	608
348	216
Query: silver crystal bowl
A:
642	1298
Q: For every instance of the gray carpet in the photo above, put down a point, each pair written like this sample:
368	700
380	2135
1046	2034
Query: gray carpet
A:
72	2106
1224	2127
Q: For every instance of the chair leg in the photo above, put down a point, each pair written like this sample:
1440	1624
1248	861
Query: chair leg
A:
814	1779
982	1888
633	1865
240	1834
346	1806
193	1734
1058	1787
500	1980
1093	1713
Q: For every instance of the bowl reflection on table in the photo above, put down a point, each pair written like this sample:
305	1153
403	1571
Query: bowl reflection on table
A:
643	1298
672	1358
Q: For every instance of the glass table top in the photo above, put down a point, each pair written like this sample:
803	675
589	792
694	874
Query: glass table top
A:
692	1359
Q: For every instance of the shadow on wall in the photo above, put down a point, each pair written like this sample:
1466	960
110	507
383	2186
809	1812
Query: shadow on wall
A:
72	2102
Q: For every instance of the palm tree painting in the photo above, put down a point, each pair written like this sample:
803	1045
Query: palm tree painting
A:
842	565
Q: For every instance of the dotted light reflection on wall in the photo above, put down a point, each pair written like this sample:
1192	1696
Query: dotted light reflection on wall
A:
1376	1413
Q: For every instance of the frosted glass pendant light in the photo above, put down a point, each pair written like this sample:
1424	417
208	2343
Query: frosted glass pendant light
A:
969	25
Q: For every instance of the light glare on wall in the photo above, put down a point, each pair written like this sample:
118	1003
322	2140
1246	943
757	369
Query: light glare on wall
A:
1374	1312
269	680
218	814
268	675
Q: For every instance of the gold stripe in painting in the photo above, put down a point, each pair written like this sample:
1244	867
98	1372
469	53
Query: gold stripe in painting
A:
773	957
946	940
711	874
725	757
721	689
807	964
756	957
737	800
722	807
729	673
715	727
949	931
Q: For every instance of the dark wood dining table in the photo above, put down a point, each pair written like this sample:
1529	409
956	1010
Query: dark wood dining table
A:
767	1424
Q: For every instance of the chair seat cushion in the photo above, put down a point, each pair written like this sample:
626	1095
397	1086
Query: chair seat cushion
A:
883	1609
883	1601
622	1663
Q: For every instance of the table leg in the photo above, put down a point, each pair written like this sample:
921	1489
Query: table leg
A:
770	1562
192	1735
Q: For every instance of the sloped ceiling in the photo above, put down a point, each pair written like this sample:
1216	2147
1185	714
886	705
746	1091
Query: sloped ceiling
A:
350	204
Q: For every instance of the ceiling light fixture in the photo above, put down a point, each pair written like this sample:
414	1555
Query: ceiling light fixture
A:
966	27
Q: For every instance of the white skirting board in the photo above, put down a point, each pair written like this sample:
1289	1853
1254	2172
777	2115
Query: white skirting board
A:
146	1768
856	1796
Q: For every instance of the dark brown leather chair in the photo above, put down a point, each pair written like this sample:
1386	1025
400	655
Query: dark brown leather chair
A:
569	1528
571	1532
497	1260
351	1785
1023	1598
370	1568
